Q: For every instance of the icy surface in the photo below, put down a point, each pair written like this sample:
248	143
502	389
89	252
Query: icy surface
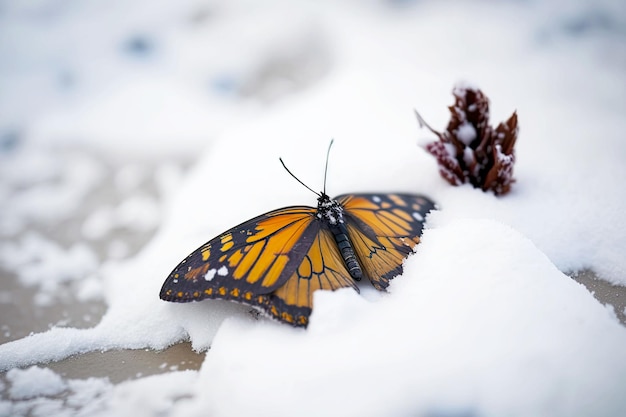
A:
483	322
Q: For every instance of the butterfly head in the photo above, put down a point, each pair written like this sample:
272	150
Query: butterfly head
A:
329	210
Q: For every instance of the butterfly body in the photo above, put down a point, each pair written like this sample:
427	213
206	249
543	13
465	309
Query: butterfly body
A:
275	262
331	212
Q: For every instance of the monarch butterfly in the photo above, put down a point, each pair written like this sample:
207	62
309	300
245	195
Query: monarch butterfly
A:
274	262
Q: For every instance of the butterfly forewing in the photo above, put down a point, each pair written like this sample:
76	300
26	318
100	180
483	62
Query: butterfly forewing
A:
384	229
253	258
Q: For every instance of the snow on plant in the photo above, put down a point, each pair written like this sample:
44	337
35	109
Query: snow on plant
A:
470	150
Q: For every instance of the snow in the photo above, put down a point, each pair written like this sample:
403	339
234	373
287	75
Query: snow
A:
455	352
41	392
150	396
62	188
466	133
483	321
34	382
42	262
137	212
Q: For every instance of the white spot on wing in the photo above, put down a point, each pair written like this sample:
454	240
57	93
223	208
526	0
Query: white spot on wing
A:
210	274
376	199
418	216
223	271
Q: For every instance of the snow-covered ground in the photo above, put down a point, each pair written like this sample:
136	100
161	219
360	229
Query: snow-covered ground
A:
483	322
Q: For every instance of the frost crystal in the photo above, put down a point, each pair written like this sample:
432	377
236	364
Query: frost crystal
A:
470	150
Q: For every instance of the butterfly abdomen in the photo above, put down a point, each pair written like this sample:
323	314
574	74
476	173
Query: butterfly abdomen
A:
347	251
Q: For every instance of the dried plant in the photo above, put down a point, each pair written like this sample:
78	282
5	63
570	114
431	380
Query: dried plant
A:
470	150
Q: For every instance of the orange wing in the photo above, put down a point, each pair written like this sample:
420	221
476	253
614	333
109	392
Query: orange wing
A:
274	262
321	269
384	229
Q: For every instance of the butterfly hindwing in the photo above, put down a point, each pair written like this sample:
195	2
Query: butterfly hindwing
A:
384	229
321	269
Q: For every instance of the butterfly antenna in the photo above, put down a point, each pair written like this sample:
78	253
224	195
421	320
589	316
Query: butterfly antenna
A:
298	179
326	168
